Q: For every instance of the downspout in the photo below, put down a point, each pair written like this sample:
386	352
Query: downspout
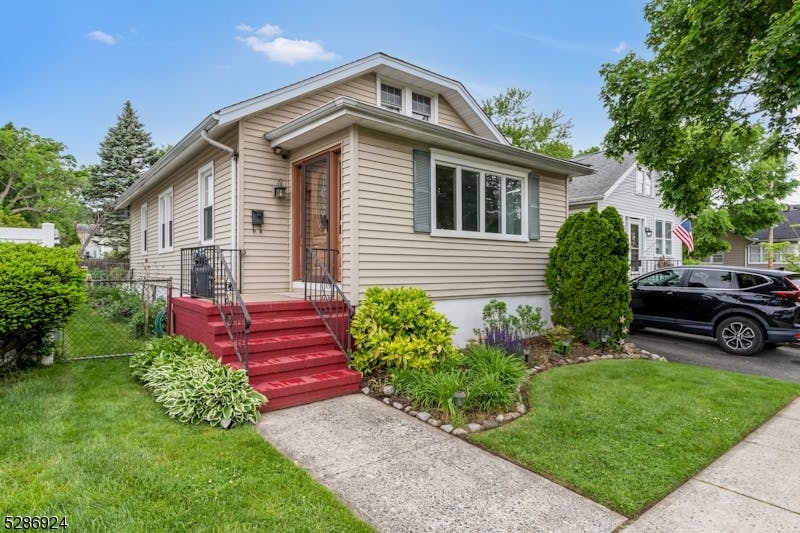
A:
234	196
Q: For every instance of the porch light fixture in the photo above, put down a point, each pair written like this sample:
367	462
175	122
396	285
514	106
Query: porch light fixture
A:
278	150
280	190
648	231
458	398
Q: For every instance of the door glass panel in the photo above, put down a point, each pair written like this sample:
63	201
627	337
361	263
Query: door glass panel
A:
635	239
316	206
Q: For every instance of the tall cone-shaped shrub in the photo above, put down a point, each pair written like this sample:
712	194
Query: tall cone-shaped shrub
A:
587	275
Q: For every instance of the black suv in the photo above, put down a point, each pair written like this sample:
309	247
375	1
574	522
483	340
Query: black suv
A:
744	309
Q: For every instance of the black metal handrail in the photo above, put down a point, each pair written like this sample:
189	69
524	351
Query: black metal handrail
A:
205	273
327	297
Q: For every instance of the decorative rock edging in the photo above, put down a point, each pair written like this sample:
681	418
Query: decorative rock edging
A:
629	352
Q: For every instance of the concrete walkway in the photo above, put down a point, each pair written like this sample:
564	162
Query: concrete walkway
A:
400	474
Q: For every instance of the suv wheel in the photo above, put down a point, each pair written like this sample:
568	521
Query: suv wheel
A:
740	335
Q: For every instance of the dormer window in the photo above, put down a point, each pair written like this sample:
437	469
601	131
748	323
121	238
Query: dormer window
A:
407	101
391	98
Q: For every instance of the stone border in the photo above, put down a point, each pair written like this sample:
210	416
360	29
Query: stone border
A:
629	351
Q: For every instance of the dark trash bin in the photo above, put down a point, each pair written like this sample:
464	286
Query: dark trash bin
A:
202	276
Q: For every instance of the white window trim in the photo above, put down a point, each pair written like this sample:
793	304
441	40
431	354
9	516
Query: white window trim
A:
641	177
483	166
665	237
162	220
143	229
407	91
205	170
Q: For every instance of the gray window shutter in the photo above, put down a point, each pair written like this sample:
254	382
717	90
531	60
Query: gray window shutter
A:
422	191
534	231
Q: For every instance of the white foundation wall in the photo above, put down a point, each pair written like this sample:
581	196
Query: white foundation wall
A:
467	313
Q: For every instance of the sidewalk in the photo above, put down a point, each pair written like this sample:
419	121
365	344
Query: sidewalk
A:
400	474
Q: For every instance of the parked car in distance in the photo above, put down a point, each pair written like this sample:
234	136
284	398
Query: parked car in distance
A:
744	309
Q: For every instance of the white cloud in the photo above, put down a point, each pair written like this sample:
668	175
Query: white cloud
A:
268	30
621	47
102	37
283	50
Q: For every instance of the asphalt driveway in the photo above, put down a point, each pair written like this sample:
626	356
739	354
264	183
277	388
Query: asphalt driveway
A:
780	363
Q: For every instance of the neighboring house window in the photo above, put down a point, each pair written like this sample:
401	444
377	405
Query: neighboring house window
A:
717	259
165	221
664	238
205	187
143	227
758	253
644	183
406	101
473	199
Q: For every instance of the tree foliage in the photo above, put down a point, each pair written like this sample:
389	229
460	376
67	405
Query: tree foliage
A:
126	151
713	110
587	275
38	182
530	130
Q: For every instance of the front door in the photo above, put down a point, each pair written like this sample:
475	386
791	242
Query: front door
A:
317	215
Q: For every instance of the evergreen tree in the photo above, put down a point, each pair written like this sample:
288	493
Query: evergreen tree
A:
125	153
587	275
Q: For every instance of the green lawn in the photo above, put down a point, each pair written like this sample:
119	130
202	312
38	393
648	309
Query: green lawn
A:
85	441
628	432
88	333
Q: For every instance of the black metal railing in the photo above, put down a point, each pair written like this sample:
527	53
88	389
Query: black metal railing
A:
206	273
326	295
643	266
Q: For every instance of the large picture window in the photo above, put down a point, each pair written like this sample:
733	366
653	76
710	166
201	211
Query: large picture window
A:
470	199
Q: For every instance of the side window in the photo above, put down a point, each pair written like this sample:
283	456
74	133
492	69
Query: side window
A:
747	280
710	279
665	278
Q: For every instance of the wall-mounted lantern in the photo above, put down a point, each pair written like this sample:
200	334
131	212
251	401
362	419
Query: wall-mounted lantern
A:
648	231
280	190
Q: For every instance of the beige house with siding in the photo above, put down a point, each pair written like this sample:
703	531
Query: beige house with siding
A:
393	167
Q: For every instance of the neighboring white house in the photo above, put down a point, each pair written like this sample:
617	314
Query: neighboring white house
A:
633	191
47	235
94	249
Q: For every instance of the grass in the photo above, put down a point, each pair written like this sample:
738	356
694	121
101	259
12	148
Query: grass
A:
628	432
89	333
85	441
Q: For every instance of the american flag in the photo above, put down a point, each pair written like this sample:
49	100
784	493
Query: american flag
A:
683	232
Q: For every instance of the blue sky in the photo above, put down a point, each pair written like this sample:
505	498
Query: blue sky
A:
67	67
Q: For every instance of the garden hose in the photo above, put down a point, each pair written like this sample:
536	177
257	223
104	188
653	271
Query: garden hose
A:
160	323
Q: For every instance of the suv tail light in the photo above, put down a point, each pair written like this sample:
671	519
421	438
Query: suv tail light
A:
792	294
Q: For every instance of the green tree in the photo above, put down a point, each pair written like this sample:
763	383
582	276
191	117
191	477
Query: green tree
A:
126	151
537	132
39	182
713	110
587	275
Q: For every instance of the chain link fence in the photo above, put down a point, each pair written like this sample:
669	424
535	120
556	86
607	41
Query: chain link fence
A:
117	319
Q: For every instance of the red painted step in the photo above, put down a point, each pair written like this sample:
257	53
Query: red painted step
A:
293	358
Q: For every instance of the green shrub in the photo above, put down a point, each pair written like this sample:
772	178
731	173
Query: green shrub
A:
489	376
587	274
399	328
39	289
192	386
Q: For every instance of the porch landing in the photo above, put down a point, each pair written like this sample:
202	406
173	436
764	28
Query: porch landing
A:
293	358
